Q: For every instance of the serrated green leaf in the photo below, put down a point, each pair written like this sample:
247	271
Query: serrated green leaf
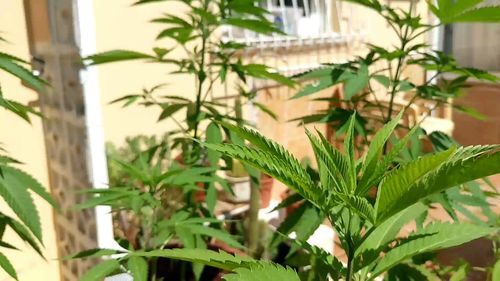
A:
20	201
461	273
464	165
213	135
258	26
22	73
433	237
349	150
220	260
170	109
357	83
266	110
115	56
263	272
7	266
179	34
375	152
101	270
388	230
24	234
138	267
92	253
215	233
397	184
303	222
383	80
26	180
482	14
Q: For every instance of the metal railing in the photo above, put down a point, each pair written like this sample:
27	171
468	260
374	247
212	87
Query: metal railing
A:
302	21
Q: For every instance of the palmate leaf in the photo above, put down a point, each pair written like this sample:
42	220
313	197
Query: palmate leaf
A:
359	205
19	109
303	222
11	65
332	164
271	158
30	183
263	272
466	164
388	230
465	11
265	72
115	56
241	266
19	199
93	253
324	78
258	26
374	153
101	270
433	237
24	233
324	261
138	267
349	150
399	181
357	83
276	167
220	260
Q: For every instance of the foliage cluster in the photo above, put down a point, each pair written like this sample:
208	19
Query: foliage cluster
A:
368	192
17	186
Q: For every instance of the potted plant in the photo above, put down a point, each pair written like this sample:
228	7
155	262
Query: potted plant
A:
368	231
239	181
192	222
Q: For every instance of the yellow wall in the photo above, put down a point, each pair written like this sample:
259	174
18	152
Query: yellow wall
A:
24	142
120	26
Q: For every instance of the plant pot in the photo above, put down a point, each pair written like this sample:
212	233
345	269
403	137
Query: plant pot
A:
201	194
240	187
290	209
266	190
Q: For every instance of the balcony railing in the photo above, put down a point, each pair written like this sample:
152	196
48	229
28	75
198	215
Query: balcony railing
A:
303	21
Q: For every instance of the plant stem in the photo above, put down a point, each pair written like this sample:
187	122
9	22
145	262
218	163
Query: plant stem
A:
154	268
253	218
350	268
201	71
350	251
253	212
397	75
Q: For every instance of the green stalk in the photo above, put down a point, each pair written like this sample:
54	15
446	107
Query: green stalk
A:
397	75
350	251
201	72
253	218
253	211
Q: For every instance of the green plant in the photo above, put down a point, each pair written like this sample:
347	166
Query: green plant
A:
208	57
377	87
211	61
16	185
147	197
385	67
368	231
